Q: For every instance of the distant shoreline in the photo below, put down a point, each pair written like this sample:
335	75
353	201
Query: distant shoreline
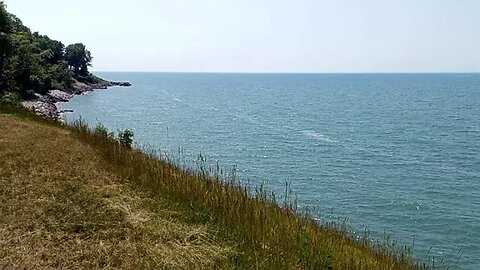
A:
45	105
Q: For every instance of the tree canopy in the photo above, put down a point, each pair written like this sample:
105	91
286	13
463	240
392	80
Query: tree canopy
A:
34	63
78	58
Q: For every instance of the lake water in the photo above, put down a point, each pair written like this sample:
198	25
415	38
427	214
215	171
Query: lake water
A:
395	153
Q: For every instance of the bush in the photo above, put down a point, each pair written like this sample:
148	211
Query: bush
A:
90	78
103	131
126	138
61	76
11	98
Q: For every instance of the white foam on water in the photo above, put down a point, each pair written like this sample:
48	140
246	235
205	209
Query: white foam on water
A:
176	99
318	136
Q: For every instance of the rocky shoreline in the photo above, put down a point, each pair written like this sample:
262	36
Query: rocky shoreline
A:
45	105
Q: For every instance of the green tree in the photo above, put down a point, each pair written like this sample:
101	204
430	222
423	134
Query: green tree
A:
5	44
78	58
32	63
61	76
26	64
54	50
5	30
17	24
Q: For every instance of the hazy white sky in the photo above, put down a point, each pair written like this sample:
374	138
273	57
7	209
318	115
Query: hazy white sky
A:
265	35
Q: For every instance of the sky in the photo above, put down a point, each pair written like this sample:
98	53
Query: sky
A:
324	36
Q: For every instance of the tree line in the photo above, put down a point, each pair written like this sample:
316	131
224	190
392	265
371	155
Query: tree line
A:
33	63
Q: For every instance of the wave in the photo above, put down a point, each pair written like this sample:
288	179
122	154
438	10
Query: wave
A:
310	133
318	136
178	100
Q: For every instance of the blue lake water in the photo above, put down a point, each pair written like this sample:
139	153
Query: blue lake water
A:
395	153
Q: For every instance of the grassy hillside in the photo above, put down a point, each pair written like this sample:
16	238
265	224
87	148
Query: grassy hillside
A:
62	207
71	198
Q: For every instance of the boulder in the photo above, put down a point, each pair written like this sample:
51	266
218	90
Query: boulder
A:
44	109
59	96
121	84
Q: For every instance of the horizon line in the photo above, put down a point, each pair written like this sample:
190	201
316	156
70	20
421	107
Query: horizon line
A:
291	72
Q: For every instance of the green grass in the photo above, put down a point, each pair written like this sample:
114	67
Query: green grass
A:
126	208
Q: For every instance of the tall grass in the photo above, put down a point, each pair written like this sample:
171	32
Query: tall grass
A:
268	234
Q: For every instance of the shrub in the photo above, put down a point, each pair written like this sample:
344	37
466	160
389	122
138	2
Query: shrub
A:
103	131
90	78
126	138
11	98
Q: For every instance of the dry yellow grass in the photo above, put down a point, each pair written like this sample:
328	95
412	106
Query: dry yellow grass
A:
62	207
71	197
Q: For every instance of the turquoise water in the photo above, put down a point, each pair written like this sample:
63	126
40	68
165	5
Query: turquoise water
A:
396	153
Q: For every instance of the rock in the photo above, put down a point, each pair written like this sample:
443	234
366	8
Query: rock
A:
79	88
44	109
121	84
44	105
59	96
